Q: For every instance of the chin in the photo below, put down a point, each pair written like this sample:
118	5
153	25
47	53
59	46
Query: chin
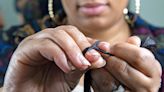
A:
96	23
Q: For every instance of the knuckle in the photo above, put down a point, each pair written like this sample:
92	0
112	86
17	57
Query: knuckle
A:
56	31
47	29
140	57
120	68
31	37
117	46
71	28
143	56
44	42
49	32
68	28
42	35
123	68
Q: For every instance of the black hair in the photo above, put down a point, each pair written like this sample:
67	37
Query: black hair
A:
37	11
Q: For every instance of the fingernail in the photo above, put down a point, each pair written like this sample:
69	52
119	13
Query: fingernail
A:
99	63
97	60
104	45
84	61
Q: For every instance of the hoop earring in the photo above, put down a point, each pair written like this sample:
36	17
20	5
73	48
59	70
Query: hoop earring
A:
50	9
138	5
57	17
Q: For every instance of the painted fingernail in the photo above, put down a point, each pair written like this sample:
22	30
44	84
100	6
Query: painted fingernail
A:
84	61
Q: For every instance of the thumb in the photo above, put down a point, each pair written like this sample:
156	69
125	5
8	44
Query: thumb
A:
135	40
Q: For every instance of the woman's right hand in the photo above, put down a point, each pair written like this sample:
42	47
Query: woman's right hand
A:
134	72
49	61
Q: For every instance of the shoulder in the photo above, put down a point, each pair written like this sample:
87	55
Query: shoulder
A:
143	29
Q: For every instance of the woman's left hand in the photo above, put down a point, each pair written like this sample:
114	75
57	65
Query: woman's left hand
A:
134	67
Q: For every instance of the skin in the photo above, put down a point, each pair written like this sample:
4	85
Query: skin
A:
1	21
131	65
32	69
107	28
52	59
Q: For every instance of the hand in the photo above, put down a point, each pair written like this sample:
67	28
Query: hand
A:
135	67
132	66
101	79
49	61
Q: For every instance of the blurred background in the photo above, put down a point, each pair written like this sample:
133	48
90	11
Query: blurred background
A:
151	10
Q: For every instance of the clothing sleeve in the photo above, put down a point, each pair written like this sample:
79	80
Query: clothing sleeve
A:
6	50
160	52
9	41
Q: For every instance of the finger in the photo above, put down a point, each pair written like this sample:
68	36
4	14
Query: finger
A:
140	58
126	74
105	46
107	83
101	47
91	40
94	57
62	62
78	37
68	45
135	40
49	52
